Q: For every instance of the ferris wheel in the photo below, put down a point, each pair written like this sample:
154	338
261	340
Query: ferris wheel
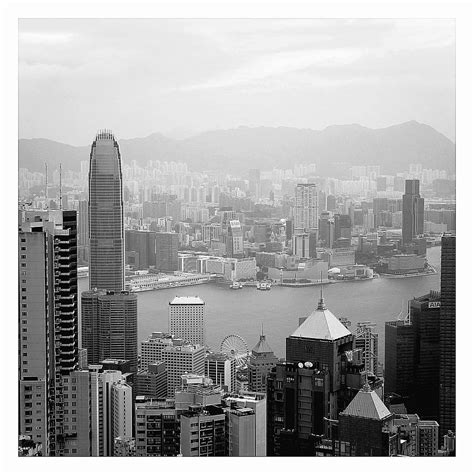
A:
235	347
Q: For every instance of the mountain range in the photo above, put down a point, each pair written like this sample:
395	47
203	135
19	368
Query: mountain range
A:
334	149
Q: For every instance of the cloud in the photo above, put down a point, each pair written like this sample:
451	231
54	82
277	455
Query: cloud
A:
43	38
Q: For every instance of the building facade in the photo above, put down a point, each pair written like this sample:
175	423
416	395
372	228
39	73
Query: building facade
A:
109	326
412	211
106	230
186	319
48	322
447	401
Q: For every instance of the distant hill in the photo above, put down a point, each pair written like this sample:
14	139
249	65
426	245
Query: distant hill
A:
333	149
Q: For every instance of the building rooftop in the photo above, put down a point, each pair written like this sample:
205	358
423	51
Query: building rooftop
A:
321	324
368	405
187	301
262	346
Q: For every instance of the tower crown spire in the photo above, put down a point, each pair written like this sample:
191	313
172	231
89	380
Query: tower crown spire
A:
321	304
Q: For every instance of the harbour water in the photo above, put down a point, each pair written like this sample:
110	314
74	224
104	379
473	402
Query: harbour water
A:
243	311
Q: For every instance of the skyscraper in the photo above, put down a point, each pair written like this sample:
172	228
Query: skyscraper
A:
412	211
306	208
167	252
305	220
106	231
180	360
412	356
48	327
262	360
399	357
322	372
109	326
447	327
365	426
186	319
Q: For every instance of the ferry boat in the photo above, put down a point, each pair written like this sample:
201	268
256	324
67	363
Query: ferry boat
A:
236	285
264	285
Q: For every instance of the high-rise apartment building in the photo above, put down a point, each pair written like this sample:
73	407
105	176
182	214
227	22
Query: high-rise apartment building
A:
428	438
109	326
157	428
305	220
48	322
262	360
180	360
106	230
306	208
447	401
203	432
121	402
257	402
241	431
186	319
412	211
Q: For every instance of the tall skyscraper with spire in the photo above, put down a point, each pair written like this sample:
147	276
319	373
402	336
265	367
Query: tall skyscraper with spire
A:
322	372
106	231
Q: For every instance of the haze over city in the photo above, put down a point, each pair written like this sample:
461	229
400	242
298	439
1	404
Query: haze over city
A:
182	77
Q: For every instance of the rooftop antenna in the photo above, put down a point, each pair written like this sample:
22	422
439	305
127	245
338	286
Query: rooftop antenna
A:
366	386
46	184
321	305
262	332
60	188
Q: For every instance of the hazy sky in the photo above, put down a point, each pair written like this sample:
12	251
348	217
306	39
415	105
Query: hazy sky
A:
179	77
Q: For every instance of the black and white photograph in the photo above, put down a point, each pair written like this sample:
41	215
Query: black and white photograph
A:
236	238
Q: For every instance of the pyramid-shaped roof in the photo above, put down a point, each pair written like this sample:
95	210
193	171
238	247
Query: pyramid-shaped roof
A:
321	324
368	405
262	346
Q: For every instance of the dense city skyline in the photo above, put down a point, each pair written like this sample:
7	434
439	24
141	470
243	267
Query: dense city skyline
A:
259	291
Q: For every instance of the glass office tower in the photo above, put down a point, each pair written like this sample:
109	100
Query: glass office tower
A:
106	232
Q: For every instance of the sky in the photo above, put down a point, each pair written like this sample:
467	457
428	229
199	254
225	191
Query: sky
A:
182	77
